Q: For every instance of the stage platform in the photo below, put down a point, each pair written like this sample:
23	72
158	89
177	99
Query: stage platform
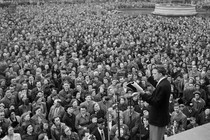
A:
199	133
174	10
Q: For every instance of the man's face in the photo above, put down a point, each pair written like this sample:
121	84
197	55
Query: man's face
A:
70	110
176	109
101	126
2	115
79	87
12	89
25	86
31	78
8	94
38	84
156	75
197	87
83	110
88	98
94	120
197	96
57	121
66	86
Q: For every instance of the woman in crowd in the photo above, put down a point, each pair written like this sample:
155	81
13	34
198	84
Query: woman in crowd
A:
29	133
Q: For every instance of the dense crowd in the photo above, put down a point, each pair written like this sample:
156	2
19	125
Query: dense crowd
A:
64	68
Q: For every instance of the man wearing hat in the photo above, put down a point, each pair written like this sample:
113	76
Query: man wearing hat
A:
69	117
101	132
198	102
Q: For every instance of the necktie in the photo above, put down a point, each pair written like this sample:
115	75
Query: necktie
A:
102	135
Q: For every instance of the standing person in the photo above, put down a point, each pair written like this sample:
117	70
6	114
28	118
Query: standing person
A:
159	102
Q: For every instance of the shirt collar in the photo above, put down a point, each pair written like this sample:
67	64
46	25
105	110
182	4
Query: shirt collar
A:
160	80
100	131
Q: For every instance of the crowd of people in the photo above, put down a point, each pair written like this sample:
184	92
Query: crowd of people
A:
64	71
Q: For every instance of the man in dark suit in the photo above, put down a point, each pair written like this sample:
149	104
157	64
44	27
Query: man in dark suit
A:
159	102
101	133
31	83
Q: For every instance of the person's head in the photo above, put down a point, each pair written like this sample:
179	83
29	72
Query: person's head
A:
70	109
191	86
2	106
197	86
38	84
57	102
197	94
181	106
158	72
31	78
145	113
38	110
74	103
122	100
56	121
83	109
191	80
145	121
94	118
176	108
130	107
26	116
24	86
29	129
90	87
12	113
192	120
10	130
8	94
46	81
96	107
88	97
67	131
2	115
202	81
78	95
79	87
66	86
171	97
207	111
121	119
45	125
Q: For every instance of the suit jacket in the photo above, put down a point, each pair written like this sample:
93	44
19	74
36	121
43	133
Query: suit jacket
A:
97	134
159	103
34	93
31	85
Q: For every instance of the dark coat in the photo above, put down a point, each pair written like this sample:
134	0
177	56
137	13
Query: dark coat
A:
69	120
159	102
98	135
